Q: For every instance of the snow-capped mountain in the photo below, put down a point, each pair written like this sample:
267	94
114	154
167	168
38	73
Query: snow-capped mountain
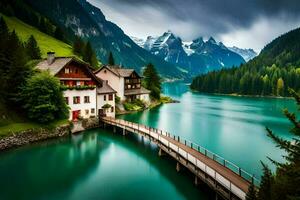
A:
247	54
196	57
138	41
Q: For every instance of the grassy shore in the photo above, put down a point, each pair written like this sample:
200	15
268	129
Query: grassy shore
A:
132	107
243	95
18	127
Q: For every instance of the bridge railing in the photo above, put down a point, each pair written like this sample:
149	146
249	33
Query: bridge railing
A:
229	165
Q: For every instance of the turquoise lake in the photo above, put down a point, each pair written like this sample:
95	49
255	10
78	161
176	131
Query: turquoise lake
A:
100	164
232	127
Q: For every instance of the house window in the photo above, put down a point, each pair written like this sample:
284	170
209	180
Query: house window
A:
112	109
78	83
67	70
110	97
93	110
76	100
105	71
67	100
86	111
129	86
104	97
86	99
76	71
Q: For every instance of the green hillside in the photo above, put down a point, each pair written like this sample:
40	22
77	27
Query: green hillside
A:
45	42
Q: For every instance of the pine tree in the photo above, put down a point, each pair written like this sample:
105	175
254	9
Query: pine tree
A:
265	184
251	194
78	46
18	71
152	81
42	25
89	55
280	87
32	49
4	33
111	60
285	183
4	62
59	34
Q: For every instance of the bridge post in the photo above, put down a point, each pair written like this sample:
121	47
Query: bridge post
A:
160	152
177	166
114	129
196	180
124	131
217	196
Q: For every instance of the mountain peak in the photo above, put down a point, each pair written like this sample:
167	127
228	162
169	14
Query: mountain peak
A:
198	40
168	34
211	40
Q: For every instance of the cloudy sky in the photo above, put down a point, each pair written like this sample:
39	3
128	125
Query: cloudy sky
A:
243	23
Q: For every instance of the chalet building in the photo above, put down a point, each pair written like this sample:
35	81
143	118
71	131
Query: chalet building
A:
126	82
106	100
84	92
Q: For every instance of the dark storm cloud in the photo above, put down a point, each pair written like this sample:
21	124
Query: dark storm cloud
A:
216	12
192	18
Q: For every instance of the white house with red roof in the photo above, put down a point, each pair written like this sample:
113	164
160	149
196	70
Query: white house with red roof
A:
86	94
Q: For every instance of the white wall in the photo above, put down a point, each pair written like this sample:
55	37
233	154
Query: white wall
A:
117	83
82	106
145	98
101	102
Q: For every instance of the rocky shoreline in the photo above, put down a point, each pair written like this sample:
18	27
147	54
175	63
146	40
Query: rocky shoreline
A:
33	135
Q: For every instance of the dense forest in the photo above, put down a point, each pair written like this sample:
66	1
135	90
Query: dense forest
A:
276	69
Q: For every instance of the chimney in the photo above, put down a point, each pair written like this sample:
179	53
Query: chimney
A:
50	57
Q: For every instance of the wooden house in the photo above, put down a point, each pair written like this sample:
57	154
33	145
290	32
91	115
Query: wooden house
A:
126	82
81	87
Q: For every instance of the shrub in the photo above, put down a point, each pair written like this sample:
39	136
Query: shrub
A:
118	99
43	98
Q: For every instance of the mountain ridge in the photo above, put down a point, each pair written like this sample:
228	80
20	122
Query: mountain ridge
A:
89	22
271	73
247	54
197	56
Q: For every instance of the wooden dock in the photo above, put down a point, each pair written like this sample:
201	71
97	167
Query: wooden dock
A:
228	180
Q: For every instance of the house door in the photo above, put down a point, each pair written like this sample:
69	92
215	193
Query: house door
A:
101	112
75	115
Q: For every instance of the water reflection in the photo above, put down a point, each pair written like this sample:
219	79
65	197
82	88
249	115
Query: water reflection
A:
233	127
94	165
32	169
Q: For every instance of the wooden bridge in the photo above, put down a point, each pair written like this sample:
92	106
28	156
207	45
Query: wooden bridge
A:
228	180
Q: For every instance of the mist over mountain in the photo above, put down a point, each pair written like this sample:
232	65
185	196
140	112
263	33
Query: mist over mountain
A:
247	54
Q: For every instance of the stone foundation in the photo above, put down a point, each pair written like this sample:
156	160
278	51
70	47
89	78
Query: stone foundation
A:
90	123
32	135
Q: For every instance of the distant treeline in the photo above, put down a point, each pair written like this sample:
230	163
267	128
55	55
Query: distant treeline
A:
271	80
271	73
